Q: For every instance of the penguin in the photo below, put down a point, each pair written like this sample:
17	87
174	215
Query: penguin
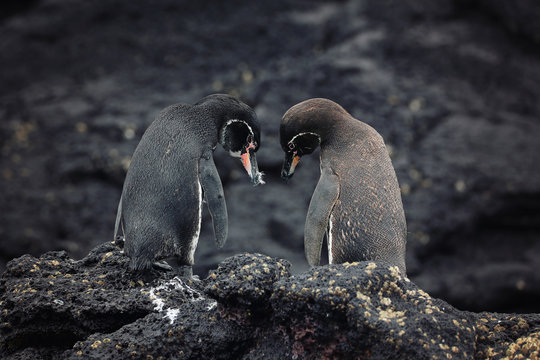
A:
172	170
357	200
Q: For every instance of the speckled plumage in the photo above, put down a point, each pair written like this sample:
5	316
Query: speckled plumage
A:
160	207
358	189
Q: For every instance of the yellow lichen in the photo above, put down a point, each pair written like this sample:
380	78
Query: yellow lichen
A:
362	297
386	301
444	347
389	314
395	271
371	266
525	347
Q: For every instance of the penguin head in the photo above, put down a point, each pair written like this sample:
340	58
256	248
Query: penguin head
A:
304	127
240	135
242	141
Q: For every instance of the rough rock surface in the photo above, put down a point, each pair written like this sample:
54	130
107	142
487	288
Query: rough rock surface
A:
451	85
250	307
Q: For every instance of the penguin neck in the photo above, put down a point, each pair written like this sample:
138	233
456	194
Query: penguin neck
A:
336	130
219	108
350	137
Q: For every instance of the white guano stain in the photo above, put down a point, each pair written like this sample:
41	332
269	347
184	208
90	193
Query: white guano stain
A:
176	284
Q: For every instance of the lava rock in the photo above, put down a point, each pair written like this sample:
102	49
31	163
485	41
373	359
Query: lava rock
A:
367	309
55	300
246	279
57	308
518	17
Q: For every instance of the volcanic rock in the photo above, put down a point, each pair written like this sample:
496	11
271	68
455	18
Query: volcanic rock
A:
250	307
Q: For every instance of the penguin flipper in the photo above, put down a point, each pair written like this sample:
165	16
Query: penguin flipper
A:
118	219
320	208
215	198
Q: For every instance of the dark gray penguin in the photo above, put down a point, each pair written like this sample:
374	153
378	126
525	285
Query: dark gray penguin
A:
357	201
172	170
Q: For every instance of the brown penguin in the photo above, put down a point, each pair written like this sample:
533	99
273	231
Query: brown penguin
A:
357	201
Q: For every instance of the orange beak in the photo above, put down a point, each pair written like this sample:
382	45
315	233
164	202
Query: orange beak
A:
295	161
291	160
246	162
249	161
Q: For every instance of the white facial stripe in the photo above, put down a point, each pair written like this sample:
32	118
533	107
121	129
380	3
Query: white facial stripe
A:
304	133
241	121
222	134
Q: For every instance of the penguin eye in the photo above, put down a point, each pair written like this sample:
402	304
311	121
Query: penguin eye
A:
291	146
249	139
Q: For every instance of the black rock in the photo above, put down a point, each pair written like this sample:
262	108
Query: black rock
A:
246	279
251	307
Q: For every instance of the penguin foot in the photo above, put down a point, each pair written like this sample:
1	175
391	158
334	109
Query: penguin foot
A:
119	241
162	266
184	271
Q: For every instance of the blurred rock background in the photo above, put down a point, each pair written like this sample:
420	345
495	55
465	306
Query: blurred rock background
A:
452	86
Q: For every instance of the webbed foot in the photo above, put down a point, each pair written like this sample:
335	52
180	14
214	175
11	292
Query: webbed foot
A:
184	271
162	266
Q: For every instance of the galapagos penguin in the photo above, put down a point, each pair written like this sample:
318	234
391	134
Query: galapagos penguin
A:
170	173
357	201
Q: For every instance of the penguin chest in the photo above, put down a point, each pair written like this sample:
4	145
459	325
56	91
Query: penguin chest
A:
330	238
192	245
345	236
338	235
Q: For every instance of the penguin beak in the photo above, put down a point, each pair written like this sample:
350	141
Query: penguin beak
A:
250	164
289	164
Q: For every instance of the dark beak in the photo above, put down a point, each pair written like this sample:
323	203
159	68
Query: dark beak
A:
289	164
250	164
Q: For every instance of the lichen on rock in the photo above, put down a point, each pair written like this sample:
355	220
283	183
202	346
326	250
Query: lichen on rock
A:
250	307
246	279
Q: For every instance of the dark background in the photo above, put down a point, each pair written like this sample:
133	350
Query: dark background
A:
452	86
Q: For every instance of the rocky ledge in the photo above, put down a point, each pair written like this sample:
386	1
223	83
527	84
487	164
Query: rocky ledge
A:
250	307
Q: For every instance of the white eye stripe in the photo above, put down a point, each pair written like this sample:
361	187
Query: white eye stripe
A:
304	133
240	121
229	122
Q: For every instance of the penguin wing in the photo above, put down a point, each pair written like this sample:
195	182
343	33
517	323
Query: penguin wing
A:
322	202
117	224
213	192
